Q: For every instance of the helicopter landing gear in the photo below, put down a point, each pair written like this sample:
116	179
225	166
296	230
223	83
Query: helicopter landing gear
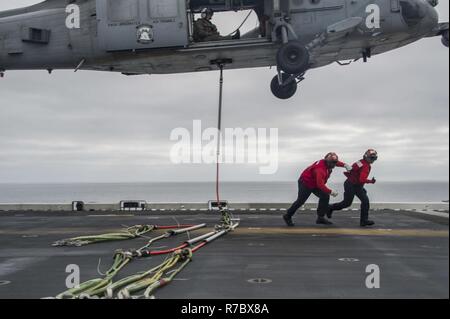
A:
293	58
284	86
367	54
445	38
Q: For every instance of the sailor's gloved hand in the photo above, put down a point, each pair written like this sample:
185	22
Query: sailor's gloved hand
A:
348	167
334	194
374	181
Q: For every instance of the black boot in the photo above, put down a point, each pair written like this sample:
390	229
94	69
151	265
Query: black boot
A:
330	213
323	221
288	220
367	223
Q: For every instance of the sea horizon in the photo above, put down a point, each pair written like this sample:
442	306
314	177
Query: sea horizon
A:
185	192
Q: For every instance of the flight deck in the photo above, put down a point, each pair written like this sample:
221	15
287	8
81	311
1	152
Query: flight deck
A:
261	259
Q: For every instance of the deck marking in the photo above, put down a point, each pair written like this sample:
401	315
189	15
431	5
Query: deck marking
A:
111	215
269	231
349	260
261	281
342	231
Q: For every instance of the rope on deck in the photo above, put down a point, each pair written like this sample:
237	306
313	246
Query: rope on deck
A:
126	234
151	280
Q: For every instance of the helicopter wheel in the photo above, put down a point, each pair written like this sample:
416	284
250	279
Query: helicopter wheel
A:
283	91
293	58
445	38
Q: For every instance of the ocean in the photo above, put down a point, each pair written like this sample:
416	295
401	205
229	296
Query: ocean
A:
271	192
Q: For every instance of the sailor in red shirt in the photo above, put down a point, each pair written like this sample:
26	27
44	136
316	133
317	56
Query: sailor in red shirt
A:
313	181
357	178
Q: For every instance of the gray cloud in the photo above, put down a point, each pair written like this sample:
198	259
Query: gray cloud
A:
90	126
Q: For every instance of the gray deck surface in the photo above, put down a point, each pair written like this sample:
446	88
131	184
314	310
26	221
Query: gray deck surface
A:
411	249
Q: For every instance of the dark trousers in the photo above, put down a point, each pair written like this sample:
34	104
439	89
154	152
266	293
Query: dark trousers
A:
303	194
352	190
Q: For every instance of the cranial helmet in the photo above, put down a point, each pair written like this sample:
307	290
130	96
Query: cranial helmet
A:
371	155
332	159
207	12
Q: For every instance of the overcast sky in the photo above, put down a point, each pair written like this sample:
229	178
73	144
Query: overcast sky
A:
102	127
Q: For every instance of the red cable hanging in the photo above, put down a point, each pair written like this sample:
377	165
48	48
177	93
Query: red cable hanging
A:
219	136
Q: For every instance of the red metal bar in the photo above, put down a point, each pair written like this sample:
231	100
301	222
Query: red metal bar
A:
164	252
196	248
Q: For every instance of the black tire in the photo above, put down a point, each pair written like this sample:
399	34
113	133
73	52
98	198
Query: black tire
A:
283	92
293	58
445	38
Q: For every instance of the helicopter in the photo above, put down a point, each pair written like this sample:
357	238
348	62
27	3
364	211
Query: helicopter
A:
136	37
